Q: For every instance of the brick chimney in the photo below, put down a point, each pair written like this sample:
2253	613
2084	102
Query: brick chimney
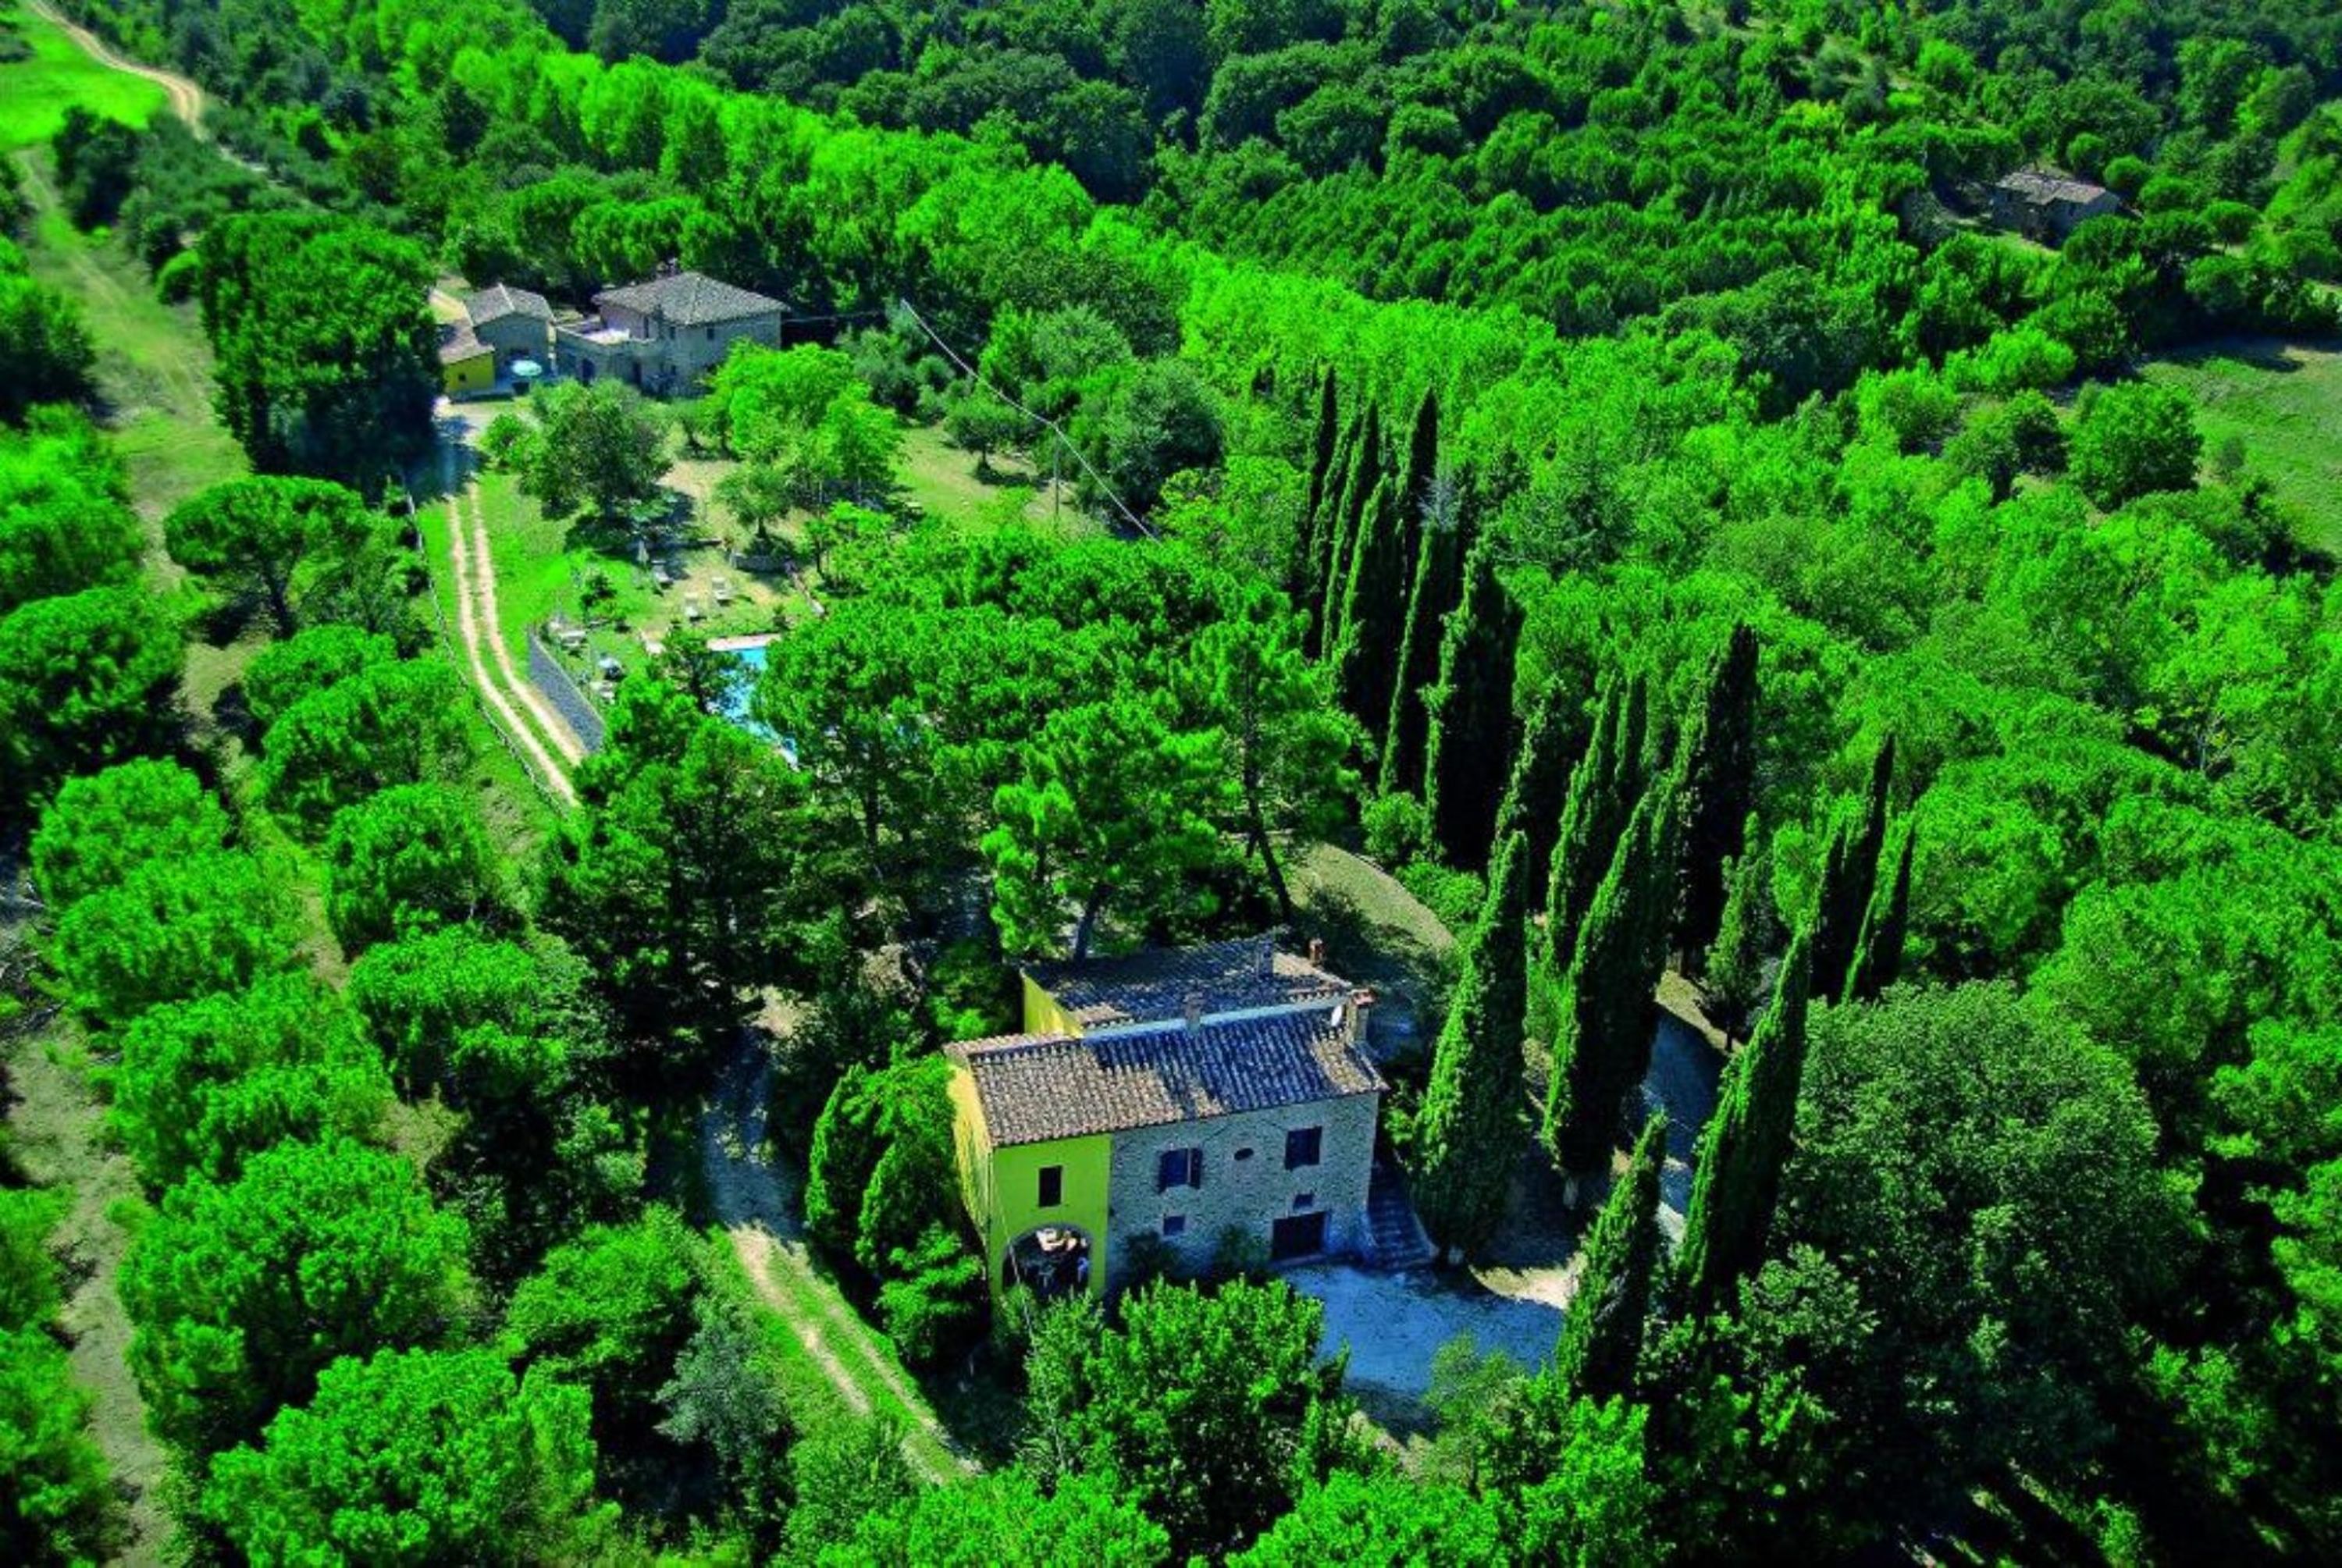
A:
1362	1009
1318	953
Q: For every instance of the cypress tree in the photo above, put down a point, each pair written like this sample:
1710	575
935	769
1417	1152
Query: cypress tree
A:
1602	1034
1325	439
1469	1132
1323	442
1603	793
1324	526
1734	968
1603	1338
1470	734
1433	588
1850	878
1366	472
1373	606
1878	955
1422	469
1720	786
1738	1177
1586	839
1535	797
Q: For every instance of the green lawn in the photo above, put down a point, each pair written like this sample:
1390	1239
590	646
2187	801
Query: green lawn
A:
2284	401
35	94
942	481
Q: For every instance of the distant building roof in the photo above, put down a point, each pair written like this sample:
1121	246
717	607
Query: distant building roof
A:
1230	976
2042	187
457	344
495	303
1038	1088
689	299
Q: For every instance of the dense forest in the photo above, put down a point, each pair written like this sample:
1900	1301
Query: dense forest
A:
1598	461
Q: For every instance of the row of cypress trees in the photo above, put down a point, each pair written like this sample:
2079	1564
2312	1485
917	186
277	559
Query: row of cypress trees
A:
1633	806
1636	830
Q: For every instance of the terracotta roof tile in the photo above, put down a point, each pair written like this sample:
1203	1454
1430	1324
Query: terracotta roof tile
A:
689	299
1144	987
495	303
1038	1088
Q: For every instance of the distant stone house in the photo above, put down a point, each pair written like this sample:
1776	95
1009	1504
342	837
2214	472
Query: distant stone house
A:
2046	206
1162	1102
667	334
501	325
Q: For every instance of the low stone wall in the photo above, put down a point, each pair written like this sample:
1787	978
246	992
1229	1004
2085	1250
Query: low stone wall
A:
562	694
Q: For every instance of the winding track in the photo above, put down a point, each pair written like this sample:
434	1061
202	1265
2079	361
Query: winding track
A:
755	1216
187	99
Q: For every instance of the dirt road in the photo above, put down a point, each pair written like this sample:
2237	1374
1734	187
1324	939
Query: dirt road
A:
752	1204
186	98
548	718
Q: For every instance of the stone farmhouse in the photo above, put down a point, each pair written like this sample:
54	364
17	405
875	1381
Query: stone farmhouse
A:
665	335
2047	206
501	326
1174	1097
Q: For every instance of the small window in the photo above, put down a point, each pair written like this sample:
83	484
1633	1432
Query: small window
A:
711	335
1244	1154
1303	1146
1305	1201
1175	1225
1053	1185
1179	1168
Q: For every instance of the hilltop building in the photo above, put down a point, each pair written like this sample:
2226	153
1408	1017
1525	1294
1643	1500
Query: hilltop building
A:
1177	1095
666	335
2047	206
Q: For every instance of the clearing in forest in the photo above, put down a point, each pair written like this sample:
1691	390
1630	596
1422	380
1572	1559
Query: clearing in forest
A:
2284	401
61	75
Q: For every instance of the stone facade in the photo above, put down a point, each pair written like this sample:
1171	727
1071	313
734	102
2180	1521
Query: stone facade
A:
1244	1183
516	336
665	337
2047	206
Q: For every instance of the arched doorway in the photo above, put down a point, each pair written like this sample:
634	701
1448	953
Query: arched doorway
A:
1052	1260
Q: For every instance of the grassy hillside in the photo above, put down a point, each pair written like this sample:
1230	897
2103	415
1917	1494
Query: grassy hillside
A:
36	93
2284	401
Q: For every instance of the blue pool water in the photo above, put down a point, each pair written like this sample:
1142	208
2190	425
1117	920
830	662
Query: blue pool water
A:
736	708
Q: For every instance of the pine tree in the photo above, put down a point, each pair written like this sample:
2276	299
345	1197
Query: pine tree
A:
1372	608
1469	1132
1470	736
1366	472
1733	969
1433	587
1737	1175
1878	955
1720	786
1603	1338
1535	796
1602	1034
1850	878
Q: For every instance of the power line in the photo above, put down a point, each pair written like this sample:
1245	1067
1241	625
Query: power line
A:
1049	424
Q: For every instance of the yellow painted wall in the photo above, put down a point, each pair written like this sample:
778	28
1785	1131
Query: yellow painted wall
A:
1003	1186
477	373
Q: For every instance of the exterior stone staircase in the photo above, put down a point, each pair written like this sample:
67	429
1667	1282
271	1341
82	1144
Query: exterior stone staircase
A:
1395	1241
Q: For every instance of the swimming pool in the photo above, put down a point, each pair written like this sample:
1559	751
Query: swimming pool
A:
749	653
